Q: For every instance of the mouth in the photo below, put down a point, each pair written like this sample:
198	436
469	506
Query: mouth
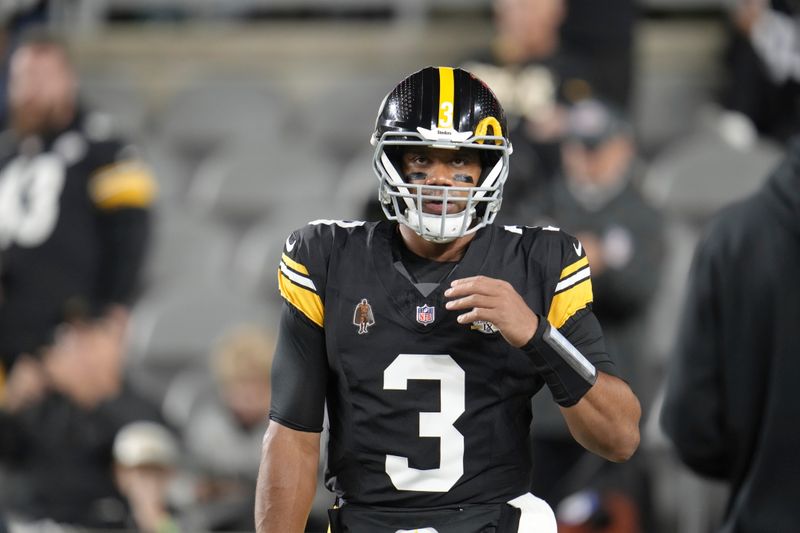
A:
434	207
437	207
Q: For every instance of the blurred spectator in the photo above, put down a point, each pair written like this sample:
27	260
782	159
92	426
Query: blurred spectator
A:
598	201
145	461
73	206
15	17
763	59
58	425
222	426
534	77
731	399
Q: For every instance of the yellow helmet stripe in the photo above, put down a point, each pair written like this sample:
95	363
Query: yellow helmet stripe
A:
446	97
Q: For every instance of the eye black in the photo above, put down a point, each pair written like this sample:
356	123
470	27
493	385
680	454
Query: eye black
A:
416	176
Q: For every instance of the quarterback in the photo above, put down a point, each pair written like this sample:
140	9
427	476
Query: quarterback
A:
426	335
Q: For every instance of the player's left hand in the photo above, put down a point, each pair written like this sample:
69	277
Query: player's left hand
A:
495	301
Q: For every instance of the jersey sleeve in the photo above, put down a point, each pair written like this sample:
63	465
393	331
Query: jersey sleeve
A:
302	271
122	190
120	179
570	309
573	283
299	373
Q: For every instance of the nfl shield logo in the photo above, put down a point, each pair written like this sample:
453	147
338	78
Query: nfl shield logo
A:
425	314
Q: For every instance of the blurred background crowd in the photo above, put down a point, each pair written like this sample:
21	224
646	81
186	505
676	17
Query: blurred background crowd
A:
136	350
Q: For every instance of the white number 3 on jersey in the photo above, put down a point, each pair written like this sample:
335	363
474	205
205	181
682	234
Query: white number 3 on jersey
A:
437	424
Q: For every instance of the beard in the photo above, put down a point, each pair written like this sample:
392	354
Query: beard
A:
38	119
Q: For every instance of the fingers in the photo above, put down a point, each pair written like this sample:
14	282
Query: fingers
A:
480	295
472	300
477	293
476	285
475	314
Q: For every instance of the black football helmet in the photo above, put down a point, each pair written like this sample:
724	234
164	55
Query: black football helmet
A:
441	107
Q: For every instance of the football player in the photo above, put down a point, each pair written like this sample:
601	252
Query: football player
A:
429	406
74	207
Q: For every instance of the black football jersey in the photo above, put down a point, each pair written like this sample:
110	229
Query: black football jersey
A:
425	411
66	199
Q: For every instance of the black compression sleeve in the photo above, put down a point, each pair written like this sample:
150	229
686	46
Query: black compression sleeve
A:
299	373
585	333
568	374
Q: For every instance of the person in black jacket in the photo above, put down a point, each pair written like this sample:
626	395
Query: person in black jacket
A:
56	448
731	404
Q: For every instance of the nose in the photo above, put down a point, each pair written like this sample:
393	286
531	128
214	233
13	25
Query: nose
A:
438	174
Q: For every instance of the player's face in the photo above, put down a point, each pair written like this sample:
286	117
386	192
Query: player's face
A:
41	88
442	167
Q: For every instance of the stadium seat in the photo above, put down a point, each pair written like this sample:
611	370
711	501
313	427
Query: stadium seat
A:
124	102
186	246
258	252
357	185
171	172
694	177
341	115
173	329
204	116
255	262
241	186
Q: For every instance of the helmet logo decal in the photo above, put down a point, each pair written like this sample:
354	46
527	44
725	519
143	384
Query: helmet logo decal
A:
446	97
363	316
483	127
444	135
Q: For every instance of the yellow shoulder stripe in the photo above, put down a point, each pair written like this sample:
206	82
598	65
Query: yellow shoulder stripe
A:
574	267
567	303
306	301
119	185
294	265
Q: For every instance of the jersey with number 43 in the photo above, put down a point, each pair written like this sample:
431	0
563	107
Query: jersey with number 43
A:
424	411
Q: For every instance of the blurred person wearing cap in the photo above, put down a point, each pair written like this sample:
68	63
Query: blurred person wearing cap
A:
543	58
145	461
56	446
597	199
